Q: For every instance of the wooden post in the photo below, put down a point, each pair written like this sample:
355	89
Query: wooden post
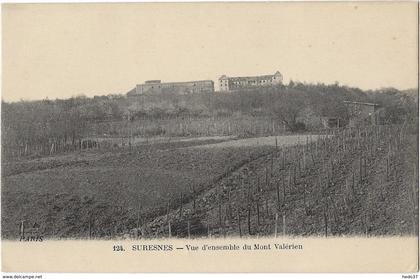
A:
331	167
167	210
180	207
365	224
266	178
220	214
395	173
188	229
194	198
249	191
284	224
275	224
258	182
266	208
249	219
258	214
22	229
299	169
326	219
138	217
365	166
284	159
304	199
239	223
272	166
169	229
284	189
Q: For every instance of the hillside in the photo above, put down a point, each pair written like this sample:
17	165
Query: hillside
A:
46	127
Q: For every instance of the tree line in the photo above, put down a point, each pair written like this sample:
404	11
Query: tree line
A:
46	125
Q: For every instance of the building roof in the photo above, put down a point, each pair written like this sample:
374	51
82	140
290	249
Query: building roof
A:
361	103
179	82
262	77
253	77
152	81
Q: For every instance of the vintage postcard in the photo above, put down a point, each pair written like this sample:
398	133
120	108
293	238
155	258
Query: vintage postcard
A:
210	137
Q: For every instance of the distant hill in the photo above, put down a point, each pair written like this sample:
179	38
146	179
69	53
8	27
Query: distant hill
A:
62	124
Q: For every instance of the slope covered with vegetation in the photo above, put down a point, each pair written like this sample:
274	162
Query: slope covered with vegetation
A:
50	126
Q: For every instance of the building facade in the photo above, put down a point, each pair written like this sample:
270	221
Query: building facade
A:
189	87
234	83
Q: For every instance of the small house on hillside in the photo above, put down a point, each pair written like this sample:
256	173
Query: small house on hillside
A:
363	113
313	120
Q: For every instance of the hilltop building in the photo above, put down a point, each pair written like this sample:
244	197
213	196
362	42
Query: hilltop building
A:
235	83
188	87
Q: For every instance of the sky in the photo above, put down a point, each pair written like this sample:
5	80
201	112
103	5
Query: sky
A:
63	50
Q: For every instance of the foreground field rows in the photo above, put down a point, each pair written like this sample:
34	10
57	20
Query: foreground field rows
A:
349	182
106	193
356	182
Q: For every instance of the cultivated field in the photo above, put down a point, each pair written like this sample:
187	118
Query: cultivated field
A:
355	182
358	181
103	193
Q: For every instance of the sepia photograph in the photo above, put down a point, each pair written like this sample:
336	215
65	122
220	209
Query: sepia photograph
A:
213	120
